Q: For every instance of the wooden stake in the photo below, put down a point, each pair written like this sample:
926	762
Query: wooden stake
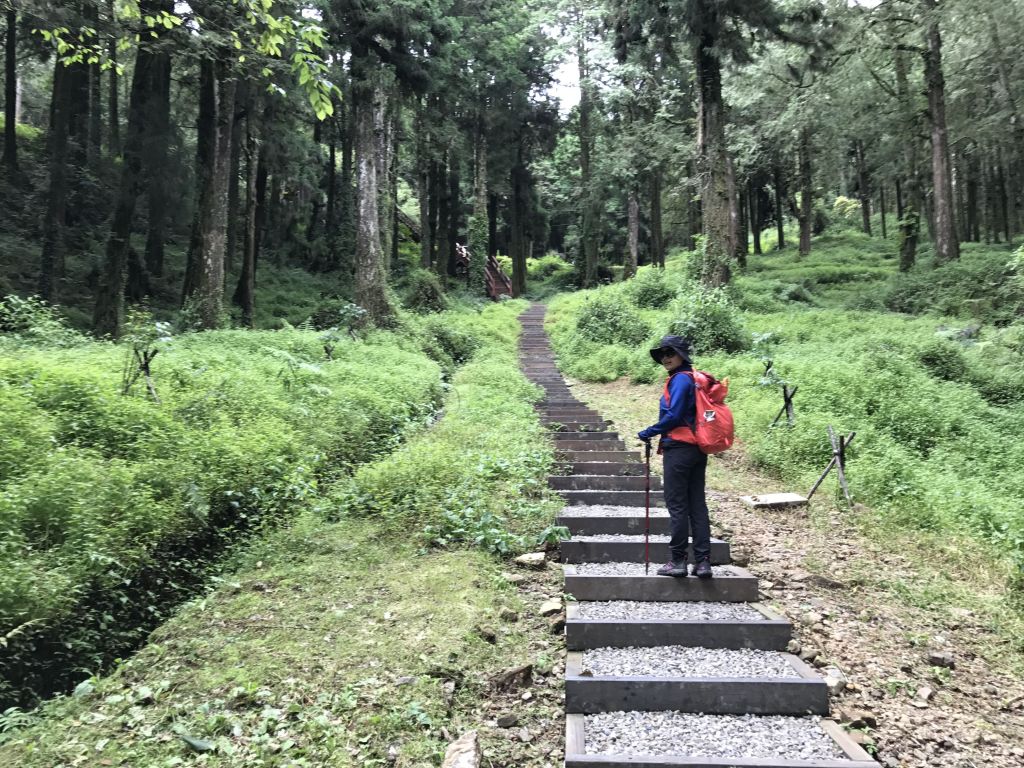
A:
839	446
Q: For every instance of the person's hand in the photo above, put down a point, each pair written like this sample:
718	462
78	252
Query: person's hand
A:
643	437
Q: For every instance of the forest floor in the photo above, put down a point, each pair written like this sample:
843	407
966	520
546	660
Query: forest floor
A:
879	605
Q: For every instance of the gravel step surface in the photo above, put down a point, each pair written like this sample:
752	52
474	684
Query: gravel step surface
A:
607	510
728	736
684	661
631	610
655	539
637	569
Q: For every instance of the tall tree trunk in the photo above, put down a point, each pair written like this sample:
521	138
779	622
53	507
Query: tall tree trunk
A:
113	106
209	238
347	194
972	230
95	75
910	217
633	229
756	218
449	259
479	239
316	208
899	199
517	223
245	292
881	208
234	172
423	166
780	195
588	219
386	178
371	278
156	161
143	109
10	158
806	214
435	186
863	189
947	246
492	224
445	212
1001	192
262	177
742	243
717	195
331	212
51	266
657	233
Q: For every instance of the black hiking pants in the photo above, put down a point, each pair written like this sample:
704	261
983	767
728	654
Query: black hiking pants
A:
685	466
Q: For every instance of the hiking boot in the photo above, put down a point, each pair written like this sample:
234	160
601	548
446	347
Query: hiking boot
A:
703	570
672	568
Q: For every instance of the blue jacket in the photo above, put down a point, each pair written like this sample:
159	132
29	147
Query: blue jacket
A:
681	408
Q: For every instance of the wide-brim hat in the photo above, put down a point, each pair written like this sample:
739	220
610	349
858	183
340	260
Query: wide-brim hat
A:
677	344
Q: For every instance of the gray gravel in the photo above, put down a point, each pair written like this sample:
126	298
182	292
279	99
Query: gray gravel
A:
729	736
655	539
637	569
631	610
684	661
608	510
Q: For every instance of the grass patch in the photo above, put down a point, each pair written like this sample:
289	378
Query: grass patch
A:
340	647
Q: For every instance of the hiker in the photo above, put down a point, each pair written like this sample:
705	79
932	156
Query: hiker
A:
684	463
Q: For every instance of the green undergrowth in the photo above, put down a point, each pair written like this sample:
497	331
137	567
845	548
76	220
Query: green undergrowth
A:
478	476
936	400
113	508
349	637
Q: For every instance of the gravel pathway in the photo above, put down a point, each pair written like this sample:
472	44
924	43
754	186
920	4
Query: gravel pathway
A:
728	736
684	661
637	569
608	510
631	610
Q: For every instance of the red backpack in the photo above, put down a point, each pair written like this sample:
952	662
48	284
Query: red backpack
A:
714	430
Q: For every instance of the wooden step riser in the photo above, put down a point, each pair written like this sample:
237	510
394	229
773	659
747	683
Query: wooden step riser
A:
578	446
586	427
587	457
617	469
771	632
615	498
601	483
739	588
621	526
578	551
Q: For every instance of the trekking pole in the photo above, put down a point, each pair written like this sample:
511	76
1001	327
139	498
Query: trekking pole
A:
647	504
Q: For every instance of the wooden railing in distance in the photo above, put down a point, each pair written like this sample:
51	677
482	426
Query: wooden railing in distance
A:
497	282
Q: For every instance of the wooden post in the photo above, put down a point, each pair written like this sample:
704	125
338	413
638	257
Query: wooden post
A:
839	446
787	406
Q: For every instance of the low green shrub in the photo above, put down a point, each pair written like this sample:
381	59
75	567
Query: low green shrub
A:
650	289
606	318
422	292
709	319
